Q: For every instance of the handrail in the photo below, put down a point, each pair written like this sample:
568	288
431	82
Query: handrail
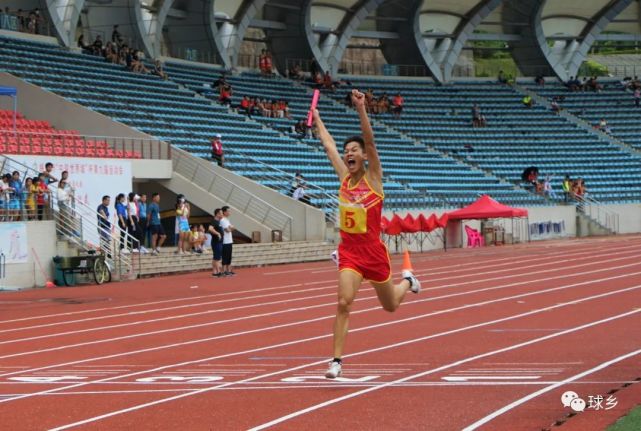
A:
57	141
598	212
328	202
3	266
199	172
78	224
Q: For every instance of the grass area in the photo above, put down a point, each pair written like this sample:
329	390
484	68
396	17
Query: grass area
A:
631	422
490	67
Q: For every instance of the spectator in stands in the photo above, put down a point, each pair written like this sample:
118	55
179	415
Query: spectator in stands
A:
228	241
328	84
593	85
573	84
48	177
296	73
83	46
302	130
64	205
296	182
220	82
539	80
183	211
370	102
317	80
97	46
478	120
637	97
6	192
29	194
554	105
42	195
104	225
124	57
217	153
603	126
121	214
262	63
116	37
225	95
502	78
196	241
133	222
300	194
155	226
217	234
397	105
18	194
246	106
284	108
264	108
142	221
159	70
383	104
527	101
137	65
110	53
567	188
548	191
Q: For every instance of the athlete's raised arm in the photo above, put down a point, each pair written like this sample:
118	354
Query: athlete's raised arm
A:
330	147
374	170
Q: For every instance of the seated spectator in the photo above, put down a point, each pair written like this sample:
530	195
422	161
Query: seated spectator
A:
276	111
97	46
246	106
527	101
478	120
554	105
195	240
225	95
539	80
217	151
159	70
83	46
397	105
296	73
137	65
383	104
284	108
300	193
637	97
502	78
327	82
265	63
593	85
111	55
301	129
317	80
220	82
264	108
603	126
370	102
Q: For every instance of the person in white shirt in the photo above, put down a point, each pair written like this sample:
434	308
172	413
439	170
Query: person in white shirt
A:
228	241
64	203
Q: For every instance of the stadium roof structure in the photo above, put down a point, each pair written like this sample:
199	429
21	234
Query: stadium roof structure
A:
550	37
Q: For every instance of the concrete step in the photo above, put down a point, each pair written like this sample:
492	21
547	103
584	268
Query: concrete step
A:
245	255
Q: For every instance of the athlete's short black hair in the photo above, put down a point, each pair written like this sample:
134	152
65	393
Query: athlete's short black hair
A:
359	139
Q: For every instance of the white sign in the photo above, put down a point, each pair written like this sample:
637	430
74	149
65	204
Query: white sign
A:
90	178
13	242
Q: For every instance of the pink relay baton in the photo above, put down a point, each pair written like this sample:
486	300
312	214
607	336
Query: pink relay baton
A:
310	115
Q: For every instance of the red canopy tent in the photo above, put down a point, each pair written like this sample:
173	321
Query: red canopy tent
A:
487	208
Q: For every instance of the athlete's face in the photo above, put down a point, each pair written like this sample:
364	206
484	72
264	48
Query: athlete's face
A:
354	157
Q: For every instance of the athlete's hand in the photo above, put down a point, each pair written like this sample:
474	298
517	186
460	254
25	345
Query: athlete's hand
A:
358	99
316	115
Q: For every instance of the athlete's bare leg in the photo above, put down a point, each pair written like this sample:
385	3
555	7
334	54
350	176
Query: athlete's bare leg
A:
348	284
390	295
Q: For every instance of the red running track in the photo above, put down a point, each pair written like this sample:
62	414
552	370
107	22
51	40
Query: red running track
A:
495	339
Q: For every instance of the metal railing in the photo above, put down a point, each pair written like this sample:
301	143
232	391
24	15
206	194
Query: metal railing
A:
21	23
3	266
201	174
78	224
191	54
598	212
64	144
272	177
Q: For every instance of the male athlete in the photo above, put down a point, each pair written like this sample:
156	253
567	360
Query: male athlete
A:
361	253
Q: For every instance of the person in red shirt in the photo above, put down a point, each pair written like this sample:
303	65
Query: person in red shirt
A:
246	106
361	254
217	151
397	105
225	95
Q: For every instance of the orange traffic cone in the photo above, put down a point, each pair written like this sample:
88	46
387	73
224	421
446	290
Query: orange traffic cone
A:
407	264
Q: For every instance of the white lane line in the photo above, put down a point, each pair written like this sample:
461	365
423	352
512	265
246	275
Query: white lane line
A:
432	371
542	391
217	322
258	330
290	343
595	252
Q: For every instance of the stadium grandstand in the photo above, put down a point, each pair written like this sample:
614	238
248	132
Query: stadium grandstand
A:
126	124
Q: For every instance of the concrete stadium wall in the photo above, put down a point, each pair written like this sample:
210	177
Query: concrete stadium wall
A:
629	217
41	237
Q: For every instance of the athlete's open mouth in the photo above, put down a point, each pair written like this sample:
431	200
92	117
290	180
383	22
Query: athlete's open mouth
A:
351	162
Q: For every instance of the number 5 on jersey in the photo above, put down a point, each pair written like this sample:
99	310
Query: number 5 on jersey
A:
353	219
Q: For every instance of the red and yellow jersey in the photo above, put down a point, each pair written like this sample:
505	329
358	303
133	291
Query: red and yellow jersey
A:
360	210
